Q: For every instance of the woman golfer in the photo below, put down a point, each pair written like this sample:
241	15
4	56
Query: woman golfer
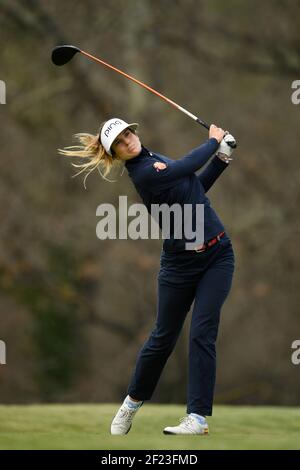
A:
201	274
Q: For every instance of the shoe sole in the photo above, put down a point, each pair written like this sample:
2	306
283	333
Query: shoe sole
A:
122	434
205	433
128	429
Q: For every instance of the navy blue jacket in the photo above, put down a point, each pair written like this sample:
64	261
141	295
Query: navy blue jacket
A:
178	183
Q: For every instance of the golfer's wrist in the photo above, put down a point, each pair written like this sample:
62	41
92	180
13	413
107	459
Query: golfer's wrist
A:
225	158
214	140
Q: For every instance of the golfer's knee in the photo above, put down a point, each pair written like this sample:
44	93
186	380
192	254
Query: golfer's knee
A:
204	337
163	343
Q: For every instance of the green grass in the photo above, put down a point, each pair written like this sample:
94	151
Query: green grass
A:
87	427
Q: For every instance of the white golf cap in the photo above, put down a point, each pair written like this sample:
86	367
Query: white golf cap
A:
111	129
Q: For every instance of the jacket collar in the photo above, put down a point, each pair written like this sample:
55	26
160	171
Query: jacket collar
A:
144	153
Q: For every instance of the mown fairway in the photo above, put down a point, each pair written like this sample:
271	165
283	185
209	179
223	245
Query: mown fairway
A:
87	427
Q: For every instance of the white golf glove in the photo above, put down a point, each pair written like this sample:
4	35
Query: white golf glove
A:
228	143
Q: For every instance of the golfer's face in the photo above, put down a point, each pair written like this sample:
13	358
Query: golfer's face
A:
127	145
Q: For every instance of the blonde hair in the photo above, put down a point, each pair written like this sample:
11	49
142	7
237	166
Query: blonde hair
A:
92	150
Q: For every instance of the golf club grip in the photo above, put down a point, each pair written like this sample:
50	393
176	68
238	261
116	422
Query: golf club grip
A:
202	123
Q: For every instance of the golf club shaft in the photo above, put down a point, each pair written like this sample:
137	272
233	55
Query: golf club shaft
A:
180	108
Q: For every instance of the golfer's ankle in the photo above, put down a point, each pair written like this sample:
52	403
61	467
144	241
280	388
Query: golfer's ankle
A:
133	399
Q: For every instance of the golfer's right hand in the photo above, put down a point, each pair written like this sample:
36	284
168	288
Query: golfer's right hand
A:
216	132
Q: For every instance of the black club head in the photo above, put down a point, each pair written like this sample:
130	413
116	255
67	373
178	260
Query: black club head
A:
63	54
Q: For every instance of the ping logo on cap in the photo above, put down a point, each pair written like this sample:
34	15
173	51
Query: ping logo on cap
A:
109	128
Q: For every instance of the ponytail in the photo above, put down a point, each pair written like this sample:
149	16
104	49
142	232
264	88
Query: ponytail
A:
92	150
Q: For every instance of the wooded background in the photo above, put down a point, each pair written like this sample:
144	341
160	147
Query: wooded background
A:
75	310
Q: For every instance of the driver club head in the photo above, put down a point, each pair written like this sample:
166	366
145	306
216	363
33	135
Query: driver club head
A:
63	54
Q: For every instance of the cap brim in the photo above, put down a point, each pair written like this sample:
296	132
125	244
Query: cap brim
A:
133	125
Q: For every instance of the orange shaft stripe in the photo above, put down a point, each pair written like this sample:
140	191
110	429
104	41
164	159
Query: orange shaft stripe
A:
131	78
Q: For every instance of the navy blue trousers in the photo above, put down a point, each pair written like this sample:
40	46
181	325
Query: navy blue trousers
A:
205	279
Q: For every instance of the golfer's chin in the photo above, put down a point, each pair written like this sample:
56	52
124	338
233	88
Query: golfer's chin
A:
134	152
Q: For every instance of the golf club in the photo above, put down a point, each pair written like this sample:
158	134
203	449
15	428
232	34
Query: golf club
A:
63	54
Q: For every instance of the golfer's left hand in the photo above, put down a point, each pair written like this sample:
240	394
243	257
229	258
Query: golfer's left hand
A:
227	145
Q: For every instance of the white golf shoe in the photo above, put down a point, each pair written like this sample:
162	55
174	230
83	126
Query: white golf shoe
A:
122	422
191	424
